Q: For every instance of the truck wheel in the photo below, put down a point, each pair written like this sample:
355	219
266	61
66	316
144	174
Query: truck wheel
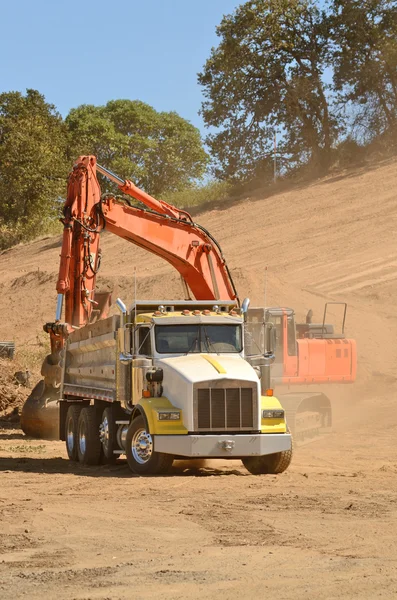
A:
141	457
107	435
71	425
270	464
89	444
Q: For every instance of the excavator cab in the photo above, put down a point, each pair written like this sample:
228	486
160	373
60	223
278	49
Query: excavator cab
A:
305	353
322	330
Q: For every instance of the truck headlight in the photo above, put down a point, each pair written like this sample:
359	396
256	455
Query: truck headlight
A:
272	414
168	415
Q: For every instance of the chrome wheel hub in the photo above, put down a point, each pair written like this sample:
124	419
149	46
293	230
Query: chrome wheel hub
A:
141	446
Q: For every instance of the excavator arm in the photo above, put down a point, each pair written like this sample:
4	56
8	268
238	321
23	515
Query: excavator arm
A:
161	228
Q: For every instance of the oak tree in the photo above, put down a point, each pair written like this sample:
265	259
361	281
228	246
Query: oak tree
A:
267	74
160	151
364	60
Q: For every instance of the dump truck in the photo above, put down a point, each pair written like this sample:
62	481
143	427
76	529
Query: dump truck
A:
163	379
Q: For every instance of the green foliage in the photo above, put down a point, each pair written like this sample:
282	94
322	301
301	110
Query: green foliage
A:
267	74
199	195
161	152
33	165
365	62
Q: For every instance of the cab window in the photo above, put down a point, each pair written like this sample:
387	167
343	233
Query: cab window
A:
144	344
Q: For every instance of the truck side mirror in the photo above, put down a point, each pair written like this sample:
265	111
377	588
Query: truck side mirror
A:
270	339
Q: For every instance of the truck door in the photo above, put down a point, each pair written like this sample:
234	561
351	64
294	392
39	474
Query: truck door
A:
142	361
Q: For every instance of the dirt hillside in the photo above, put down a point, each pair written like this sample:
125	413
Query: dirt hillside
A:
325	529
333	240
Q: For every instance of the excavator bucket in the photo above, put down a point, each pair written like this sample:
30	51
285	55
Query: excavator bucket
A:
40	413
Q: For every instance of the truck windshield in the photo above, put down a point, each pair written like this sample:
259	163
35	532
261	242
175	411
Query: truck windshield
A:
183	339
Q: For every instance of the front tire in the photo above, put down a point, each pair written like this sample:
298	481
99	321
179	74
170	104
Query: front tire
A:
141	457
270	464
71	431
89	444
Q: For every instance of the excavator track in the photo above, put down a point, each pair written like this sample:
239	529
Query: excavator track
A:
308	416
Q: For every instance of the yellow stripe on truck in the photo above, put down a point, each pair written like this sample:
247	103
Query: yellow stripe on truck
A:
214	363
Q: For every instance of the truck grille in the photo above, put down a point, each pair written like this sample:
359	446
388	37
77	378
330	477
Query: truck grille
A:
225	408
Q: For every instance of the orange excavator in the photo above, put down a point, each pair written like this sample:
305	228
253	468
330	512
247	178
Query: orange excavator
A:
163	230
308	355
159	228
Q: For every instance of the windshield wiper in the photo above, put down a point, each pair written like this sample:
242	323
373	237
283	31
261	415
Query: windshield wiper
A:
193	344
209	343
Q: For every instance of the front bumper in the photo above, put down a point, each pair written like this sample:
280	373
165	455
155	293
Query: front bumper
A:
222	446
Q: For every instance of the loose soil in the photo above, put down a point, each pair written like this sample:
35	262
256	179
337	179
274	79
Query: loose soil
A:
12	393
325	529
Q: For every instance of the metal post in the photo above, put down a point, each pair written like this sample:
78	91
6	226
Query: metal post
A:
265	287
275	156
135	298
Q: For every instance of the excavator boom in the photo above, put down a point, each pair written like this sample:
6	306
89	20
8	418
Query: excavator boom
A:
162	229
159	228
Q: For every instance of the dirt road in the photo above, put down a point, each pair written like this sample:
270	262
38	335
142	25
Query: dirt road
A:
325	529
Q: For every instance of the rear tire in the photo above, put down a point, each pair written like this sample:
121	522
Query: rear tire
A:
89	444
270	464
71	431
108	436
141	457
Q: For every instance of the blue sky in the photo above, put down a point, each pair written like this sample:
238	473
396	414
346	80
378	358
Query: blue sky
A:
88	53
